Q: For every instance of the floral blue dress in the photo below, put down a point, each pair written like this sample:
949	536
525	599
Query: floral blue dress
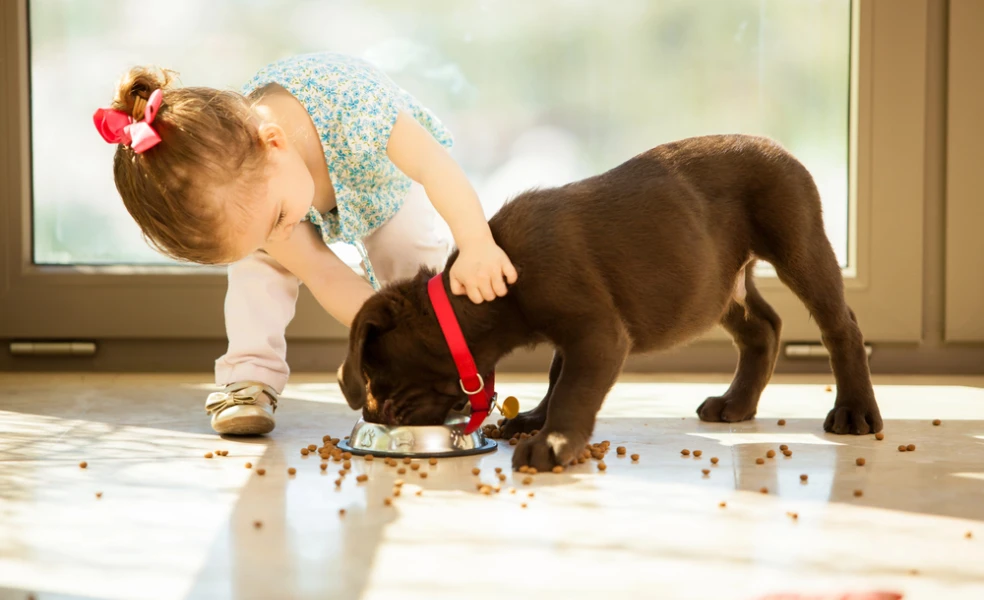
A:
354	106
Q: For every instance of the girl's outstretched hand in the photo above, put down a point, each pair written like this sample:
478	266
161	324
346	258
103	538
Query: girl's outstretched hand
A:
482	270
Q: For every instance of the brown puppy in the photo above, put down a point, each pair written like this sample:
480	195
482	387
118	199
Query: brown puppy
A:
643	257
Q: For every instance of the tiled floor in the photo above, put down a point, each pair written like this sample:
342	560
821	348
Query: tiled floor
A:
171	524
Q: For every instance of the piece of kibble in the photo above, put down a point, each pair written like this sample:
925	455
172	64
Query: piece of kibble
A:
347	464
697	453
432	461
620	450
512	490
527	480
419	493
787	453
362	478
257	524
685	452
781	422
324	466
291	471
770	454
396	492
635	458
580	461
760	461
84	464
793	516
901	447
341	512
602	466
312	447
859	462
558	469
401	471
99	494
804	477
388	501
879	436
369	458
207	455
524	469
828	389
338	483
513	441
722	504
249	465
476	471
714	460
937	422
406	460
261	471
336	457
343	472
485	490
415	467
423	474
968	535
783	447
705	471
910	448
523	505
764	490
532	471
858	493
501	476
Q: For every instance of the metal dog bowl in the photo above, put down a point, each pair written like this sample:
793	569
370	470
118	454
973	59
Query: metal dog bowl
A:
420	441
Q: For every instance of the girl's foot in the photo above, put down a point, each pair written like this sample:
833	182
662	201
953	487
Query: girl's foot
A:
243	408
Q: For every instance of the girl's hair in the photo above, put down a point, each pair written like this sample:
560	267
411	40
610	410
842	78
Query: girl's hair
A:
208	140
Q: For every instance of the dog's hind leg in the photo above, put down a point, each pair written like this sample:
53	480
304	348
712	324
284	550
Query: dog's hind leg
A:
533	419
755	327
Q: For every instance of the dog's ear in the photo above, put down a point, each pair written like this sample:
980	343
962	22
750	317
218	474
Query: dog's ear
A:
374	318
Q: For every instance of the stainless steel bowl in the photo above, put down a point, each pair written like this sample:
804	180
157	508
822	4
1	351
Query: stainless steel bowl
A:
418	441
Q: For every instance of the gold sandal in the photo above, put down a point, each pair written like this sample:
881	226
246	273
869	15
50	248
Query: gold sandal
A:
243	408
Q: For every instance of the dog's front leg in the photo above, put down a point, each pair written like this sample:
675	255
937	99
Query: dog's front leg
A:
590	367
532	420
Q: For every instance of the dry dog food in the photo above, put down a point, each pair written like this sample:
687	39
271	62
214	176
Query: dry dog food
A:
406	460
787	453
764	490
433	461
396	492
261	471
804	477
968	535
793	516
485	490
249	465
937	422
783	447
207	455
387	501
341	512
401	471
347	464
523	505
502	476
781	422
760	461
338	483
531	494
99	494
532	471
901	447
343	472
714	460
369	458
685	452
859	462
858	493
257	524
398	483
524	469
476	471
705	471
498	469
770	454
362	478
722	504
602	466
558	469
312	447
635	458
423	475
324	466
697	453
84	464
415	467
419	493
620	450
910	448
879	436
291	471
527	480
513	441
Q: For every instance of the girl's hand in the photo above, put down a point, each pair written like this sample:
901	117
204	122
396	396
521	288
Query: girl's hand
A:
481	271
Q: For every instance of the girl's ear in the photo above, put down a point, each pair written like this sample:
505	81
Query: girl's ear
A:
273	136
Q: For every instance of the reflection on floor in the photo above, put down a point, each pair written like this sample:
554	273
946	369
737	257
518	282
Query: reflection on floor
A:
172	524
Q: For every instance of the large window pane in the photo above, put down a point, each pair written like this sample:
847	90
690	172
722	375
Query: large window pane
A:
536	93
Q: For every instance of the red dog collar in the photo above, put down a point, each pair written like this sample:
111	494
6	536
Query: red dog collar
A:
479	391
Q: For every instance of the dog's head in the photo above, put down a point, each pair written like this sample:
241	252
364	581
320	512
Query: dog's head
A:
399	370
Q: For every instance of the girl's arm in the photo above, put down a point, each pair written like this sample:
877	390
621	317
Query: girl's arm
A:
338	289
482	268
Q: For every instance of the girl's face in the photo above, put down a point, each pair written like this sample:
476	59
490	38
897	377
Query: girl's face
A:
279	202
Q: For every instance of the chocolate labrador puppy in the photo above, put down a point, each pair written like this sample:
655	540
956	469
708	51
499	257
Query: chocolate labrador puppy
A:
644	257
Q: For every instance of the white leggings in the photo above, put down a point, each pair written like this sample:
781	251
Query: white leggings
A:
261	296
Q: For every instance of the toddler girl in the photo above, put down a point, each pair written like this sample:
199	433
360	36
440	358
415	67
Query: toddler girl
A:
317	149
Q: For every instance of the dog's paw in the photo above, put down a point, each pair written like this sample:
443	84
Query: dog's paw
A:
523	423
727	409
546	450
857	418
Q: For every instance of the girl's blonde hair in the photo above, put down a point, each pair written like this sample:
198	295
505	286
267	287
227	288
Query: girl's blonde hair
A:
208	139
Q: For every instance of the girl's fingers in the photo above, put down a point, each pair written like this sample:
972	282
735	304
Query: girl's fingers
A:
499	284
